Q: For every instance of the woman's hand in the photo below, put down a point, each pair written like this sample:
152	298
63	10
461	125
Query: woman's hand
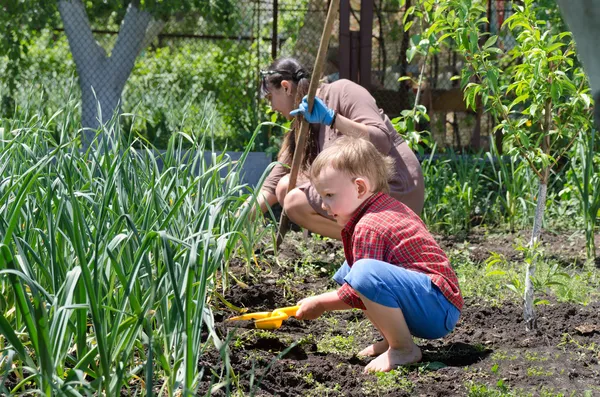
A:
310	308
320	112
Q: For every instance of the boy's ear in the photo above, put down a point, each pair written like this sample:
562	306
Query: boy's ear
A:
362	187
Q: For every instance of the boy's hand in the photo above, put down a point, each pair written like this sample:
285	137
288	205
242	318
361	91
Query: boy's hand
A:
310	308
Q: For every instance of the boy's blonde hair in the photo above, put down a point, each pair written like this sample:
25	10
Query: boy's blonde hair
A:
358	158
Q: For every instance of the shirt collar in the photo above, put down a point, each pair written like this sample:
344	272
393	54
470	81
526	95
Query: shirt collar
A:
360	211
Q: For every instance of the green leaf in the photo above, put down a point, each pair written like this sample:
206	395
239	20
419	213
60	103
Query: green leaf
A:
410	53
512	288
518	100
554	47
13	339
444	37
490	42
495	50
492	77
586	99
473	40
524	138
435	365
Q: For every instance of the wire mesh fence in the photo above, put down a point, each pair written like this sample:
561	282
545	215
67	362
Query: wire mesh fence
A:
172	70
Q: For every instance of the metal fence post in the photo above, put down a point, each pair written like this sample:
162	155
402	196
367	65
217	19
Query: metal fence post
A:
274	33
344	38
366	42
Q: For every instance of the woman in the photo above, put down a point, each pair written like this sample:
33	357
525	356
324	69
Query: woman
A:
341	108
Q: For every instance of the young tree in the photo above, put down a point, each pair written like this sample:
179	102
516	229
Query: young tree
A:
535	91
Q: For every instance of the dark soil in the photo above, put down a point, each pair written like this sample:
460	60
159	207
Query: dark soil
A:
488	349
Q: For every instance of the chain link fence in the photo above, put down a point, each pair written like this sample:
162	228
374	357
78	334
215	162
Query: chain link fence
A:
199	70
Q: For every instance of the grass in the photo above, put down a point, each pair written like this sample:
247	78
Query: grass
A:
499	279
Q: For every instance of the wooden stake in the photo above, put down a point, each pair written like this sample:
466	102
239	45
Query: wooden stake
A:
284	222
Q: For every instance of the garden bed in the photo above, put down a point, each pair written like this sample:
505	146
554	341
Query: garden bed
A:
489	352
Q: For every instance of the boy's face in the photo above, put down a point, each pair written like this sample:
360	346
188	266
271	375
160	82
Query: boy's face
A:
341	193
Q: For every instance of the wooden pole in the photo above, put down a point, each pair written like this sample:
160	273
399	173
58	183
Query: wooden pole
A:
284	222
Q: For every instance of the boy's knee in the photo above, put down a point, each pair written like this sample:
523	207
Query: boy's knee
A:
366	267
364	274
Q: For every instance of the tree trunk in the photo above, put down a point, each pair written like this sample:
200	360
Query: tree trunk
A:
528	311
102	78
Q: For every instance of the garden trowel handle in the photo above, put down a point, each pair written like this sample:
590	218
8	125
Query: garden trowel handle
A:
290	311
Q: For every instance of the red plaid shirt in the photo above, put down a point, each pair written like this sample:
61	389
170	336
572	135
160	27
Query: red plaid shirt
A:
384	229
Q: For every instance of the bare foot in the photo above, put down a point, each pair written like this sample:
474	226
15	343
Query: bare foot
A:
375	349
393	358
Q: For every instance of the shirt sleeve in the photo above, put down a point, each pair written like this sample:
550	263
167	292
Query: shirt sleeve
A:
357	104
350	297
366	244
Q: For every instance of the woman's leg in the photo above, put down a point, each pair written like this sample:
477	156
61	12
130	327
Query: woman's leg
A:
299	210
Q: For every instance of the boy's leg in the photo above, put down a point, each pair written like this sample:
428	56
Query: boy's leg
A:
426	311
378	347
390	321
399	303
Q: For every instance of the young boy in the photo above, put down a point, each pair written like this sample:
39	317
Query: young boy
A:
394	269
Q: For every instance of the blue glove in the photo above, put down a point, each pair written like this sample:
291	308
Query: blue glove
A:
320	112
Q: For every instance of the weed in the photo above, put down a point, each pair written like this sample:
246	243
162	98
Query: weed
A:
308	378
265	334
480	348
535	356
567	339
337	344
386	382
539	371
503	355
491	282
481	390
486	283
286	283
318	389
306	340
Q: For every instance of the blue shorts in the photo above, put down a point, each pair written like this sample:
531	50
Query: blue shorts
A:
428	314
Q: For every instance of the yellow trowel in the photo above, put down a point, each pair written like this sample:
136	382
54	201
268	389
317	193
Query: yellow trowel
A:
268	320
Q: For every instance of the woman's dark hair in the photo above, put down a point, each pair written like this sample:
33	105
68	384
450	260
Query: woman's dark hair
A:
290	69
